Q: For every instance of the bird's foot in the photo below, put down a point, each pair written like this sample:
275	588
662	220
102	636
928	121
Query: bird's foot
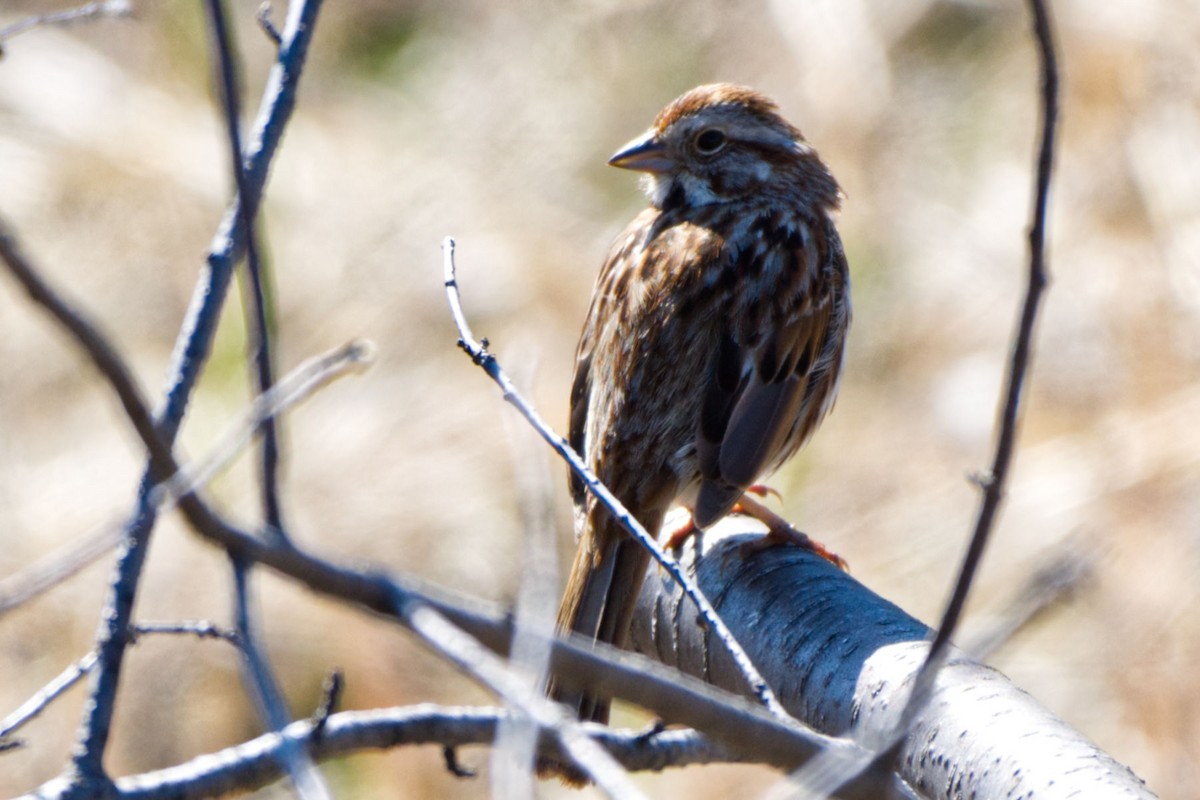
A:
780	531
683	531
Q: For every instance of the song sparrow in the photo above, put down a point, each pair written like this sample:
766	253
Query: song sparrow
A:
714	342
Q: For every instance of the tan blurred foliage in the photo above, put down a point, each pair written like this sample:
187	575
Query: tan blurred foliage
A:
492	121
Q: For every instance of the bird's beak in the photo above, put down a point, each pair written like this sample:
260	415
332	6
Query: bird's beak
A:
644	154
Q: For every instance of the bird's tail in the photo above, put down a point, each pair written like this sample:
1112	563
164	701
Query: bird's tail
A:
600	597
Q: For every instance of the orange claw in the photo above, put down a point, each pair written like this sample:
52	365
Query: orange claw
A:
681	534
762	490
780	531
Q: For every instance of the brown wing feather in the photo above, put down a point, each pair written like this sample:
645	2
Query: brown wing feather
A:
581	389
772	409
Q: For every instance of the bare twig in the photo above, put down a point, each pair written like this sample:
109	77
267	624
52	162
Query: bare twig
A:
331	695
258	673
992	484
258	326
36	704
1019	361
265	690
450	756
101	8
293	388
470	655
255	763
512	757
1058	576
200	628
192	347
56	567
263	16
477	350
71	675
106	359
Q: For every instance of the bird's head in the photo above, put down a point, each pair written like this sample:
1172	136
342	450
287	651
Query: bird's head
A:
719	143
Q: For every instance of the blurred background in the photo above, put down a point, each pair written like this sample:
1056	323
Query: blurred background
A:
492	122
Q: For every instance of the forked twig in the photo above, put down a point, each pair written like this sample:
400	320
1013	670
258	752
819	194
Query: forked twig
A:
479	354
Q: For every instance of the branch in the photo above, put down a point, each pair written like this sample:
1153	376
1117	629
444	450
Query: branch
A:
257	326
1022	351
477	350
192	348
844	660
34	706
258	673
85	13
512	759
54	568
255	763
379	593
272	708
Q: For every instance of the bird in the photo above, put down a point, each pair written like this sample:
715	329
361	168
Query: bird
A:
713	344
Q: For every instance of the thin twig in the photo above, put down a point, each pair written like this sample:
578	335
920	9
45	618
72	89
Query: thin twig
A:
831	773
36	704
1018	367
305	776
263	16
257	323
512	757
265	689
106	359
471	656
477	350
191	352
293	388
1057	577
85	13
200	628
255	763
56	567
331	696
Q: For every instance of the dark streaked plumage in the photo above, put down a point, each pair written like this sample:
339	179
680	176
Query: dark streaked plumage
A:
714	341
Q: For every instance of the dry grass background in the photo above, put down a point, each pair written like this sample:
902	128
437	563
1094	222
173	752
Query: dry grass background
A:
492	121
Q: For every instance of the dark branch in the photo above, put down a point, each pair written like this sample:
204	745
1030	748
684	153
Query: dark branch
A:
258	325
192	348
255	763
265	690
1022	351
992	484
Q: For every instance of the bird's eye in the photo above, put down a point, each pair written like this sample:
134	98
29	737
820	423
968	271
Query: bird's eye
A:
710	141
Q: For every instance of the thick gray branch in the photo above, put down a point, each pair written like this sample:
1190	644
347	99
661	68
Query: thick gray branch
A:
841	659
